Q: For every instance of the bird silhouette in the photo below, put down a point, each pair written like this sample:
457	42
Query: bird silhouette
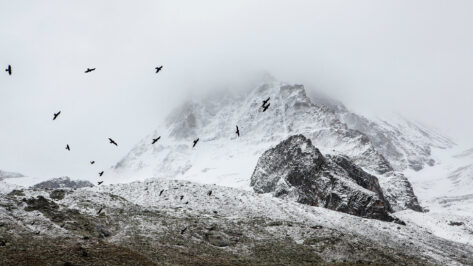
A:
89	70
266	107
101	173
112	142
100	211
265	101
195	142
155	140
161	192
56	115
237	131
158	68
209	193
8	70
68	148
92	162
100	182
183	230
182	197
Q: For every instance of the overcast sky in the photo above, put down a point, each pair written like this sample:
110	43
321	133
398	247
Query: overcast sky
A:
413	57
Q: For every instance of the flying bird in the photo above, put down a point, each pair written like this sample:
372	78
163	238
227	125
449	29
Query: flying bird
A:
183	230
92	162
56	115
161	192
237	131
158	69
100	211
155	140
100	182
68	148
195	142
265	101
182	197
112	142
8	70
266	107
89	70
209	193
100	174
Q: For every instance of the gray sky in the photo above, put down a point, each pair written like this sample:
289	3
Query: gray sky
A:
414	57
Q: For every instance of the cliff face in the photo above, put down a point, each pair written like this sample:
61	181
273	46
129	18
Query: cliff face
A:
296	169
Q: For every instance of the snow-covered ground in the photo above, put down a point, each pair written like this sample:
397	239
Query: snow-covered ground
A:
446	191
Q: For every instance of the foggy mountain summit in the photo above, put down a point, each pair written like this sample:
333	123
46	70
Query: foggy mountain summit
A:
381	148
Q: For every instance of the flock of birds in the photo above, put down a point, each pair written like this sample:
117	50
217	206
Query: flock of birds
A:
264	106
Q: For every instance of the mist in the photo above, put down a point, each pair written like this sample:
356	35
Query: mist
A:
410	57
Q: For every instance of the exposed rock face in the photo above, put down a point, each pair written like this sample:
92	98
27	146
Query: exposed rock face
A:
63	182
296	169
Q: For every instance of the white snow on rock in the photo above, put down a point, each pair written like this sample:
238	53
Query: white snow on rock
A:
222	158
6	188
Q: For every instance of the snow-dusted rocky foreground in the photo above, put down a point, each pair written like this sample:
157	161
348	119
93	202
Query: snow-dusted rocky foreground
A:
161	221
197	205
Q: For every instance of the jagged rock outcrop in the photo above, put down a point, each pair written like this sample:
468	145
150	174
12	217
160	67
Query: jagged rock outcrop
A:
296	169
63	182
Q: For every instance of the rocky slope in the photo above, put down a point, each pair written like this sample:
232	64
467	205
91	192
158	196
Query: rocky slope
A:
296	169
178	222
63	182
404	143
225	159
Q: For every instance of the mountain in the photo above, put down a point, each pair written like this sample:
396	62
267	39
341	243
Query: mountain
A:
222	158
404	143
63	182
5	175
180	222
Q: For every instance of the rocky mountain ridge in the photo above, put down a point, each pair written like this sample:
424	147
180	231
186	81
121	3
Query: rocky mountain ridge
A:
225	159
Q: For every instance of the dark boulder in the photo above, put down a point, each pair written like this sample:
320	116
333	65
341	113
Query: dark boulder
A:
295	169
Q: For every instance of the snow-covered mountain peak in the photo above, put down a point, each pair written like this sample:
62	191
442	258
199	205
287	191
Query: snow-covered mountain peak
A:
221	157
